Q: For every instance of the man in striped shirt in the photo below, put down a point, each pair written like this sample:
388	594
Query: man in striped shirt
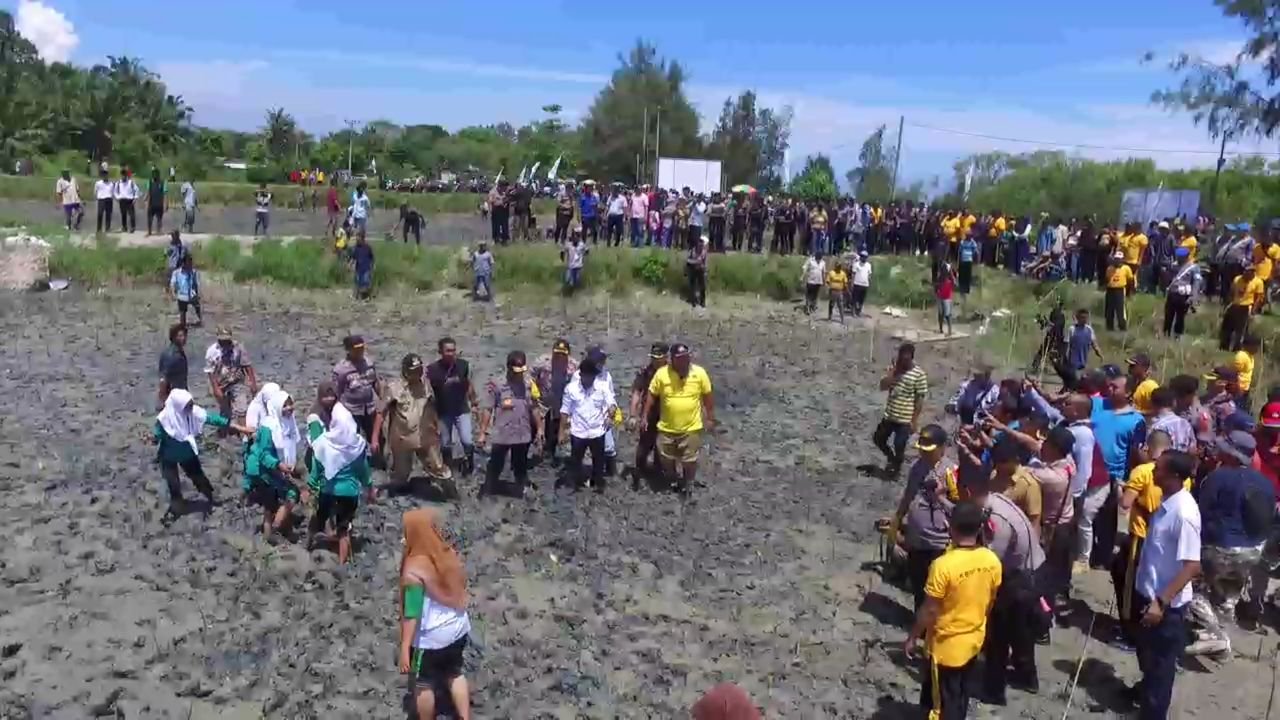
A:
908	385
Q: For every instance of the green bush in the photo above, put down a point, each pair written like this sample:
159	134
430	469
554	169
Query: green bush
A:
650	267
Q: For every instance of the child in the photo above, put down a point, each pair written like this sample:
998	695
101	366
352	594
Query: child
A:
837	286
339	470
434	625
261	210
177	435
272	461
943	291
184	285
362	262
968	252
482	263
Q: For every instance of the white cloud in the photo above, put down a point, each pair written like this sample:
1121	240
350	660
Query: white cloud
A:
452	66
48	29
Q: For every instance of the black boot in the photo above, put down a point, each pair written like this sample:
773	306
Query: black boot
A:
610	465
446	456
469	461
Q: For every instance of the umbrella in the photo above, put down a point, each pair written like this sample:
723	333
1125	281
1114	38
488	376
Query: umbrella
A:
743	189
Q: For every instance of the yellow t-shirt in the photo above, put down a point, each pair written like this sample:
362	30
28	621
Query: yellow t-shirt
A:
837	279
965	581
1119	276
1133	246
969	221
1142	395
1189	242
998	226
951	228
680	400
1247	293
1242	363
877	215
1142	481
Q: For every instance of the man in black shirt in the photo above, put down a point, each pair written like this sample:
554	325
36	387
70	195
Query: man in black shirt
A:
173	363
521	209
647	443
411	221
450	379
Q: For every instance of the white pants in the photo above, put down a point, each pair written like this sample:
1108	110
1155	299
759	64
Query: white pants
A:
1094	499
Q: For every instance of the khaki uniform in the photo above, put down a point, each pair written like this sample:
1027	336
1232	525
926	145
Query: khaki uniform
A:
412	430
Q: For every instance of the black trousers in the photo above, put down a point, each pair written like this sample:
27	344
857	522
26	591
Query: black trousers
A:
1124	569
755	240
156	213
901	433
717	234
551	434
562	225
578	448
1010	639
694	236
965	277
128	217
1159	648
1088	265
499	220
858	296
918	562
614	235
811	297
1113	306
697	285
736	232
193	470
416	229
105	208
952	699
1175	314
647	449
1235	323
498	460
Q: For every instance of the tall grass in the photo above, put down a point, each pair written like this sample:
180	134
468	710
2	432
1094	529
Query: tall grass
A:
241	194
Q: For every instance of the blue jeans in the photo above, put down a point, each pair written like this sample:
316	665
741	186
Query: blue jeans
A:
573	277
666	236
1159	649
610	445
637	232
482	280
821	241
364	280
1073	266
462	423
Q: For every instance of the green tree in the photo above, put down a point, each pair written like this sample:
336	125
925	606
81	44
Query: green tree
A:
613	131
751	141
279	133
817	180
872	180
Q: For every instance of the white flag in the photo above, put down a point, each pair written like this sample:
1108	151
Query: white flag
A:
551	175
520	179
533	171
499	177
968	181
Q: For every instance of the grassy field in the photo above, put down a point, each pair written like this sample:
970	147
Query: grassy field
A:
240	193
1008	341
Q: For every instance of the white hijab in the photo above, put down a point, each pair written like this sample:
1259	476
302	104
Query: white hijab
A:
284	429
340	445
181	419
258	406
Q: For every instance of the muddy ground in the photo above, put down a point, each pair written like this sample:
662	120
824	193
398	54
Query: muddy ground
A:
238	221
624	605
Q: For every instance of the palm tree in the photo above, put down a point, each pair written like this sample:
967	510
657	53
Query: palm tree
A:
279	134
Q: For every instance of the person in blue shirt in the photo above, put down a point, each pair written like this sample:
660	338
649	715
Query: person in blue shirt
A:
1118	429
588	211
362	262
184	286
1081	340
1237	507
968	254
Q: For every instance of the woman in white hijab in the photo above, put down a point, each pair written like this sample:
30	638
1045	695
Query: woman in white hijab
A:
339	471
252	419
272	462
177	435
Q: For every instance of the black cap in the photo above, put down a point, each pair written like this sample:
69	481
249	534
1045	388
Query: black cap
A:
659	350
1223	373
560	347
412	361
516	361
679	350
352	342
1139	359
931	437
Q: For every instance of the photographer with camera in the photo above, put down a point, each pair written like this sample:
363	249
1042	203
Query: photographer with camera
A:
926	506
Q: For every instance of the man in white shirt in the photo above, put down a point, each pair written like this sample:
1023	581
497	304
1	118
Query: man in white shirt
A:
860	272
104	191
587	406
1170	560
813	274
127	193
189	204
68	196
617	214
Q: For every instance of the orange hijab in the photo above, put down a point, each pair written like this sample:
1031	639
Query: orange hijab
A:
430	561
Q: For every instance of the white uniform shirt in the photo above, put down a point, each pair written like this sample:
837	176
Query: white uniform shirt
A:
1173	537
588	410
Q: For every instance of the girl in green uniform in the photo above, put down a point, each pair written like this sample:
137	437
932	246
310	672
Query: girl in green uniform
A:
272	463
176	434
339	470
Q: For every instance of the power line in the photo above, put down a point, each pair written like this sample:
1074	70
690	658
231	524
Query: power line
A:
1083	146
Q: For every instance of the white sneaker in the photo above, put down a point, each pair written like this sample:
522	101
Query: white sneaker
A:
1210	646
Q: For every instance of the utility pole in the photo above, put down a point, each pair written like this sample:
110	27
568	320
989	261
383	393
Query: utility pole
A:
351	137
1222	160
657	149
644	146
897	158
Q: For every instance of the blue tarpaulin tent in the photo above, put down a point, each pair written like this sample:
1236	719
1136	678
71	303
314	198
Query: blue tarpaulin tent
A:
1143	206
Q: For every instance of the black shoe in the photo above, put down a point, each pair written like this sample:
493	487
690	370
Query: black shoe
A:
611	466
169	518
993	698
1029	685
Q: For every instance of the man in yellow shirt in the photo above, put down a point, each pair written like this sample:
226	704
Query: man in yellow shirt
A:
1247	294
1242	363
951	227
1119	281
1190	242
1134	245
1142	383
682	391
837	289
960	590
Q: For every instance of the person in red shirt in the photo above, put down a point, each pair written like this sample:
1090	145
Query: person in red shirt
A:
943	290
1268	436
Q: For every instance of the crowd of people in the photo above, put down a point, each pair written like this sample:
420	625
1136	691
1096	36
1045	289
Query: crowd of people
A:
1170	488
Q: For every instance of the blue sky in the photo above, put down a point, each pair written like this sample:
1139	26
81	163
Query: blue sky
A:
1060	72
